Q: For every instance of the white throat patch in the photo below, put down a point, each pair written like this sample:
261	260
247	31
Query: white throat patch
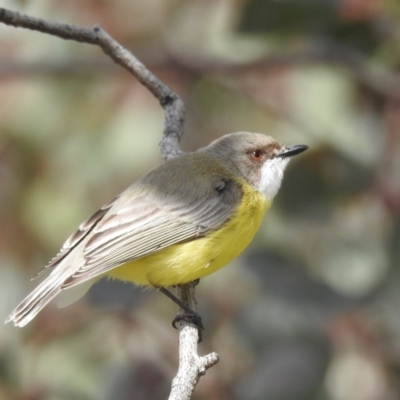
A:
271	176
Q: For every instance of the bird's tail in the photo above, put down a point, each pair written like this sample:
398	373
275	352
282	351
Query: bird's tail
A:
44	293
35	301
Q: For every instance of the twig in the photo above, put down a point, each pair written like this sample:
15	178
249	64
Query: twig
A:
169	100
191	365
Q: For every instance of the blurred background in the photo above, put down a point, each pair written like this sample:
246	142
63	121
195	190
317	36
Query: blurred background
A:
312	308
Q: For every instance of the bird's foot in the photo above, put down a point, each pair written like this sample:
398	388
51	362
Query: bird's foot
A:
192	318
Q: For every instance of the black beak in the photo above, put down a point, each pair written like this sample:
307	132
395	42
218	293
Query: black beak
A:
292	151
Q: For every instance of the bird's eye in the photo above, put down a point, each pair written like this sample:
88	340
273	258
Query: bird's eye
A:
257	155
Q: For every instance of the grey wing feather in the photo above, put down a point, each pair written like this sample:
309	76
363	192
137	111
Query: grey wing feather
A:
82	231
52	285
142	227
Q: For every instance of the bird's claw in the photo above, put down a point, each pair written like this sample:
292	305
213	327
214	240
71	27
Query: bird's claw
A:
194	319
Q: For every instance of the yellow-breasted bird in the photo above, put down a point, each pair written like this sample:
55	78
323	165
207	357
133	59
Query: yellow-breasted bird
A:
180	222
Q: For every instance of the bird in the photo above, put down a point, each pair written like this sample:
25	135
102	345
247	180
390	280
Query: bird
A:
180	222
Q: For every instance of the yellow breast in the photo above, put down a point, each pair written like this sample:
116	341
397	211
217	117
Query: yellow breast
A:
185	262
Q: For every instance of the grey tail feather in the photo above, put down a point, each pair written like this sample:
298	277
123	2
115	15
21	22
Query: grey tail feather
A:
35	301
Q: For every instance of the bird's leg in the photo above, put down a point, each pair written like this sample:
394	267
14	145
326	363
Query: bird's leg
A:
190	316
180	303
194	283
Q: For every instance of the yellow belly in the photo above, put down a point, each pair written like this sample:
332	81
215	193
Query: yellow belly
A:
185	262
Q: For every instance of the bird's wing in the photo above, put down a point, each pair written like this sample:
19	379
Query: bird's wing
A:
83	230
142	225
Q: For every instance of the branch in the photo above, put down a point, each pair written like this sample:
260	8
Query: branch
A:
169	100
191	366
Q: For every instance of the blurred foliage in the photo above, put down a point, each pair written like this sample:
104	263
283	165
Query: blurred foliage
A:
353	23
310	311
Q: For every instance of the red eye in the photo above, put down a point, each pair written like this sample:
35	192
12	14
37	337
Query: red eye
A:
257	155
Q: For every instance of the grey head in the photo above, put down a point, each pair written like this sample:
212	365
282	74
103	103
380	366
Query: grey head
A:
256	158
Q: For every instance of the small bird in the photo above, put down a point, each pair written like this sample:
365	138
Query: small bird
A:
183	220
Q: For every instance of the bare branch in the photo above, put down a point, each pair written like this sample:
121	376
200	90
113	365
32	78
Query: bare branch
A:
169	100
191	366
